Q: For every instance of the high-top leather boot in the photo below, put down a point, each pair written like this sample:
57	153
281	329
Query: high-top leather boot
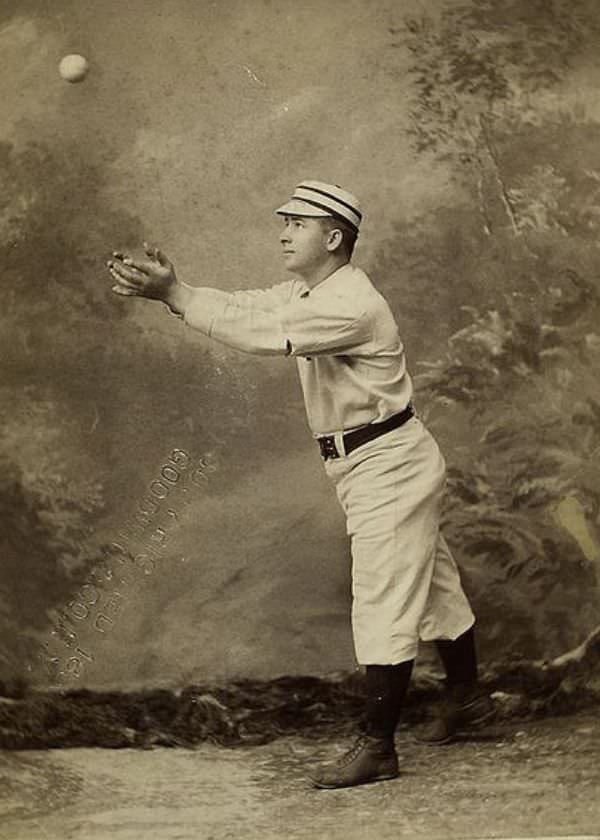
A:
466	704
372	758
466	707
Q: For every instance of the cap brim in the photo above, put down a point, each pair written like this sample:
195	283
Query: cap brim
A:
295	207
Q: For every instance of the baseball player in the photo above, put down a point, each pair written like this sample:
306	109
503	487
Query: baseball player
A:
386	467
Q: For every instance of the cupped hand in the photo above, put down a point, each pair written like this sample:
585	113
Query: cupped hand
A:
152	278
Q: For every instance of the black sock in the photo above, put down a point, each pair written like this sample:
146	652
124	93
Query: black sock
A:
459	659
386	689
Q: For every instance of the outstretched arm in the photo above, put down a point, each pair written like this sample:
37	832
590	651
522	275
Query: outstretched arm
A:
134	277
284	327
251	323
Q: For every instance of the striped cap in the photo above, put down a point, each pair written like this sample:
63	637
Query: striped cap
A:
314	198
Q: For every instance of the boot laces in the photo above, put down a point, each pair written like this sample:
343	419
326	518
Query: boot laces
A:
353	752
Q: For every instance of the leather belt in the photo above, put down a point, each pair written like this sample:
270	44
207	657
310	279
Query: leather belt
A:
356	438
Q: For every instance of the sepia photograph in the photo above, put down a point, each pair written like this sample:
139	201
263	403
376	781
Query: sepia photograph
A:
300	420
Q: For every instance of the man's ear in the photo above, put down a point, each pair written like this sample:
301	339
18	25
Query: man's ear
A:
334	239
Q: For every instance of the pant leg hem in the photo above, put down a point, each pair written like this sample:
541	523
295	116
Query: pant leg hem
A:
450	636
392	659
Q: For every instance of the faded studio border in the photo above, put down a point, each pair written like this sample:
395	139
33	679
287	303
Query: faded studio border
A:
191	117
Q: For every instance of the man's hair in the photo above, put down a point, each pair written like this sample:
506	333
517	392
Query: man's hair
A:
349	235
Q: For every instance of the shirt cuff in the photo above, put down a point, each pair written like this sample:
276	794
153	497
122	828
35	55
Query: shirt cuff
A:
172	312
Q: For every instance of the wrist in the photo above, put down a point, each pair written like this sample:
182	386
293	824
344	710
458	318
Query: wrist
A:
178	298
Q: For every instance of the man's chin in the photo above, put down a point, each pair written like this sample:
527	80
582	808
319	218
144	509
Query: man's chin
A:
289	266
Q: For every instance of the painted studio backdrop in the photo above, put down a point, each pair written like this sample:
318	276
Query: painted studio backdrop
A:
165	515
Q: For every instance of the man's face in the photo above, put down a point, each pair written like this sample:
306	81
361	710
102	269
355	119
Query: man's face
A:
304	243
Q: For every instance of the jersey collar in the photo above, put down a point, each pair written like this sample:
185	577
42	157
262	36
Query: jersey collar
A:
331	282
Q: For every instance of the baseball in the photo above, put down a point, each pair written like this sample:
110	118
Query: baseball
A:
73	68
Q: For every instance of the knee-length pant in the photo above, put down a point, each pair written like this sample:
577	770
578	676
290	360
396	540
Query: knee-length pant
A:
405	582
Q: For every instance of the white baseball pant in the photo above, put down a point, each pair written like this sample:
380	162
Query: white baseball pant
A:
405	582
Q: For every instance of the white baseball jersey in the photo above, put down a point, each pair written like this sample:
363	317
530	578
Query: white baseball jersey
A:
352	368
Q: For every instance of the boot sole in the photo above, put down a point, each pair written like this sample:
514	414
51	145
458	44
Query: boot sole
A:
466	729
384	777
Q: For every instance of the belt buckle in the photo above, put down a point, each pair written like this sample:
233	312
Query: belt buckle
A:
328	448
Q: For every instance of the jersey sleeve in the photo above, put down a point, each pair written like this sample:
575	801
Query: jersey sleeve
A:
314	327
243	320
267	300
302	327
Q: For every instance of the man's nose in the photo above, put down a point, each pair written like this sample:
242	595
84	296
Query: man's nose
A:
284	236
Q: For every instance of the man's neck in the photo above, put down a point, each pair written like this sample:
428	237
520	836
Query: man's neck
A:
323	271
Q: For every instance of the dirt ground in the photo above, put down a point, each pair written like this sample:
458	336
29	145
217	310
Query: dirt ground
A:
517	780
